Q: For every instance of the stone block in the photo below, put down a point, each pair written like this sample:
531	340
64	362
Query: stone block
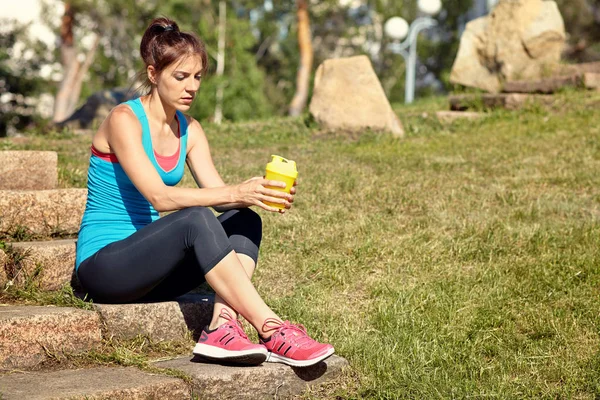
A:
101	383
548	85
508	101
591	80
168	320
266	381
28	170
27	333
49	264
42	212
448	117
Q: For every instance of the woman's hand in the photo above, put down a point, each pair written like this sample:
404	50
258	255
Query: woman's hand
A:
255	191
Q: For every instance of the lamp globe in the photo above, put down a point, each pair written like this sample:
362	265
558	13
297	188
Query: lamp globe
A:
396	28
430	7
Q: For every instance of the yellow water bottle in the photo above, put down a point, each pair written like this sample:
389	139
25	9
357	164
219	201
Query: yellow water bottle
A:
284	170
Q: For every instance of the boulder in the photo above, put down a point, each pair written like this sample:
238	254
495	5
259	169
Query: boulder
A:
97	107
348	96
518	40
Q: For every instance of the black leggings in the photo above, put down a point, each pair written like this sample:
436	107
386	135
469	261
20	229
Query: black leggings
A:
170	256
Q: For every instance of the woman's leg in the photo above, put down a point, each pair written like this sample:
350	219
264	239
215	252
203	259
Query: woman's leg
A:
244	229
128	270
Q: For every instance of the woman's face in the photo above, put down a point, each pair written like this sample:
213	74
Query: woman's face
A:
178	84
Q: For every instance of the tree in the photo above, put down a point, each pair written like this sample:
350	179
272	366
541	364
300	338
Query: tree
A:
19	79
306	59
74	70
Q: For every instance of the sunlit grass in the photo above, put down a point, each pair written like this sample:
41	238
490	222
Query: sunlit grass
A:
461	261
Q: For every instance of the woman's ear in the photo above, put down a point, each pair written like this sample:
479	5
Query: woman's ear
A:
152	75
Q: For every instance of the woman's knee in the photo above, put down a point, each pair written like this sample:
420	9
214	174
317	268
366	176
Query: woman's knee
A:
198	215
251	219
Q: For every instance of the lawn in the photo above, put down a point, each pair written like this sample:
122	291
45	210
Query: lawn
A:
459	262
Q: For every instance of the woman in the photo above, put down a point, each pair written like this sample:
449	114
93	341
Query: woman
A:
126	253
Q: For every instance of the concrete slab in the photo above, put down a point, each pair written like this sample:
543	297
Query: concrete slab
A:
27	333
42	212
103	383
28	170
266	381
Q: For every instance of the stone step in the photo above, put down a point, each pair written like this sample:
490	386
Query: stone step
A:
47	264
164	321
29	333
103	383
42	212
508	101
28	170
266	381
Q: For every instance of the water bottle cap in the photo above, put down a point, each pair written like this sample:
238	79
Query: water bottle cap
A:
283	166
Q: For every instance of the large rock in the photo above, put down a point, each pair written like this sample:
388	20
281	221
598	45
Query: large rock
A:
266	381
101	383
28	170
348	96
42	212
519	40
29	333
49	264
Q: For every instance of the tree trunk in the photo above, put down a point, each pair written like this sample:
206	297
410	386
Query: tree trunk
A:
221	61
74	71
306	59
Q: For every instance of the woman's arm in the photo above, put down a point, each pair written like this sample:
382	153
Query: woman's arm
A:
124	136
205	174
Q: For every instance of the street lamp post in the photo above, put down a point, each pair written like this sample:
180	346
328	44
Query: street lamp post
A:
397	29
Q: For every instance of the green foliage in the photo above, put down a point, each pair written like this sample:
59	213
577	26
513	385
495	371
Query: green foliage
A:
18	76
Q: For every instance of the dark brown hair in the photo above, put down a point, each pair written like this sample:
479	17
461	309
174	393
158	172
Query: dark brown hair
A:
163	44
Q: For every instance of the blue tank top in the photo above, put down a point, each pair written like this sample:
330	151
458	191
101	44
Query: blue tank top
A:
115	209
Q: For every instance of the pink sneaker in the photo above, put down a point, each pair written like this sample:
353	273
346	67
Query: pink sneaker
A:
229	343
291	345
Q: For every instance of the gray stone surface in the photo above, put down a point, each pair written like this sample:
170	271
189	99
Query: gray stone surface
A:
266	381
104	383
55	257
42	212
28	170
158	321
348	96
27	333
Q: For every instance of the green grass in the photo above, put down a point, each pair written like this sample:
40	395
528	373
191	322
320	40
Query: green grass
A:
459	262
